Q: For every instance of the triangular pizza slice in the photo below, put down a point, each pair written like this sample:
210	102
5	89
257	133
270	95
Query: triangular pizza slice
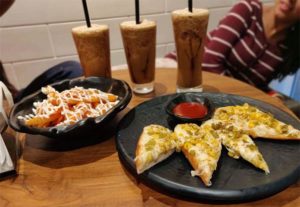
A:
155	144
201	148
238	144
256	122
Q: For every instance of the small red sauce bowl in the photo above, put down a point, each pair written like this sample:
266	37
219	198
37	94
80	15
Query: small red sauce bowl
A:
189	108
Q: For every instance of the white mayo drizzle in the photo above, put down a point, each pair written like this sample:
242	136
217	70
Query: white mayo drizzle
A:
74	104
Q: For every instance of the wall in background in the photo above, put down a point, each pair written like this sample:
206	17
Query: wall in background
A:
36	34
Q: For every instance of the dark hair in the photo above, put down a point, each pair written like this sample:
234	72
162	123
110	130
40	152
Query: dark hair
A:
292	55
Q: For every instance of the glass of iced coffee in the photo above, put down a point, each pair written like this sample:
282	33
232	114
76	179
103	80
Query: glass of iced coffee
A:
139	44
189	32
92	44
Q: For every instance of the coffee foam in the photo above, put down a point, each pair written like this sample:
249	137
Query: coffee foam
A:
186	12
84	30
132	24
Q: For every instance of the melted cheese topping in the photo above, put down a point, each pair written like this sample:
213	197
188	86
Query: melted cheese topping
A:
203	144
154	142
186	131
239	145
250	118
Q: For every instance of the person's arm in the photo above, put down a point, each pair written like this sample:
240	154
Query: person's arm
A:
5	5
221	41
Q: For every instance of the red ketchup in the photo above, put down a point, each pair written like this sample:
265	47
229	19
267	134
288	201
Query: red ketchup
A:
190	110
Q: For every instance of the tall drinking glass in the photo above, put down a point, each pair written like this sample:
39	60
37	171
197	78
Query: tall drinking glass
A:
92	44
139	44
189	32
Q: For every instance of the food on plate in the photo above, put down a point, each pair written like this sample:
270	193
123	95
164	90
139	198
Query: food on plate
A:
201	145
238	143
231	126
186	131
190	110
69	106
256	123
155	144
201	148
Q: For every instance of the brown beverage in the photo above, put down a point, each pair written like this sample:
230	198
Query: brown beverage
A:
189	32
139	43
92	44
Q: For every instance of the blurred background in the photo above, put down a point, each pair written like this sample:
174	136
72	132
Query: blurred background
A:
36	34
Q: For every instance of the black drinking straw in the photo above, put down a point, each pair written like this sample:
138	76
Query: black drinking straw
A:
137	11
86	13
191	5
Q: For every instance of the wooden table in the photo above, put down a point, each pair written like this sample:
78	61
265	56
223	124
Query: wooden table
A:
94	176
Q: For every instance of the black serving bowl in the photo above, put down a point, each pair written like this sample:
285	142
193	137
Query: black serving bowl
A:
189	97
82	128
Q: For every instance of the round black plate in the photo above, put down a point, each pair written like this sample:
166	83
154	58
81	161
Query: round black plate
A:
81	129
234	180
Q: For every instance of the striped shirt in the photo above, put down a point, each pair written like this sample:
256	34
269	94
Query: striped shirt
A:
239	48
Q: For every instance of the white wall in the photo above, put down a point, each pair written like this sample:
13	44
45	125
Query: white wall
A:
35	34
